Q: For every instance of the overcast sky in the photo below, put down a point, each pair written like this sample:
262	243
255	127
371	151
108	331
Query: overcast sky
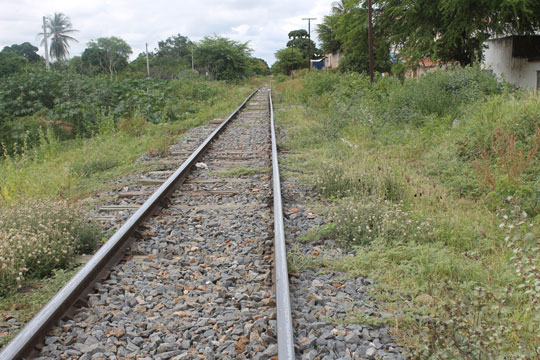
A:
264	24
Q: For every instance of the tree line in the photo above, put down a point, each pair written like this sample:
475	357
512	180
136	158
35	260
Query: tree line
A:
407	31
217	57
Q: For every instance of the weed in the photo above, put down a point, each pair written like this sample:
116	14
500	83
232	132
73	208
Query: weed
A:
504	172
335	181
24	305
467	326
161	148
133	125
297	261
93	166
37	237
316	234
360	222
435	238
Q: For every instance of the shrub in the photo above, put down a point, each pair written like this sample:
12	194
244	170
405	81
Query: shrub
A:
319	83
365	181
478	323
76	105
517	116
439	93
360	222
133	125
39	236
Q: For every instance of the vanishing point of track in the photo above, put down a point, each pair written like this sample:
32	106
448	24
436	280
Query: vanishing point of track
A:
190	274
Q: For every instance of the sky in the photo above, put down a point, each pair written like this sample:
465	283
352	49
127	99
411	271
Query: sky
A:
265	24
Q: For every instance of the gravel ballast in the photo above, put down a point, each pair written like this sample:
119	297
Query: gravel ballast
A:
197	283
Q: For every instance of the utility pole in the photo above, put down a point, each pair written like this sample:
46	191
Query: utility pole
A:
309	40
370	40
147	62
46	44
292	57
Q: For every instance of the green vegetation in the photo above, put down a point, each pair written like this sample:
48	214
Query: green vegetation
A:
75	106
435	183
223	58
295	56
461	26
68	139
449	31
37	237
107	55
56	163
288	60
24	304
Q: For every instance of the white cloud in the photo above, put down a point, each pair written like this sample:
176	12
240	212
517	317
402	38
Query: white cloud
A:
264	24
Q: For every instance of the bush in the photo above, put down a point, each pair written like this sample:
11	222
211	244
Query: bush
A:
318	83
37	237
334	182
75	105
133	125
362	221
440	93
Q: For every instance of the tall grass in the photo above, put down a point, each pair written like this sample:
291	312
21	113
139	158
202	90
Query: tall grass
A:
421	175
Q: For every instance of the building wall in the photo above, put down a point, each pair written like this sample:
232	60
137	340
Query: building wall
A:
518	71
331	61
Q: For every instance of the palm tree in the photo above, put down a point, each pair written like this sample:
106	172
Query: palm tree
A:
58	28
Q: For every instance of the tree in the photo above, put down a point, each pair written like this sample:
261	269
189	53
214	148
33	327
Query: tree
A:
58	29
26	50
172	56
175	46
327	34
109	54
454	30
300	40
11	62
258	67
288	60
351	30
223	58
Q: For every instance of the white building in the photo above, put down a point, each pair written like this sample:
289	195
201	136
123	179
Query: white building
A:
331	61
516	58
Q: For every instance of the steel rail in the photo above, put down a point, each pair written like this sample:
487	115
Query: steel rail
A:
26	342
283	301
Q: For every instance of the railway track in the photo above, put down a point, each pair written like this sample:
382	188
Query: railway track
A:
189	275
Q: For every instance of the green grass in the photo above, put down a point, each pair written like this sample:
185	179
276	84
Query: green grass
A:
398	165
23	305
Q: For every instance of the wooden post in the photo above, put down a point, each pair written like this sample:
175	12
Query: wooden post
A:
370	40
309	40
147	62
